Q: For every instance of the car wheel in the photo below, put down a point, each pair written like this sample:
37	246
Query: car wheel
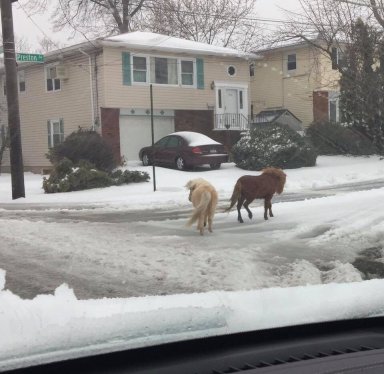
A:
215	166
146	160
180	163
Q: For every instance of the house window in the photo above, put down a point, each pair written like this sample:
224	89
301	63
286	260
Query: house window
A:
164	70
337	57
241	99
53	83
291	63
55	128
219	98
252	70
139	69
187	73
21	79
231	71
333	106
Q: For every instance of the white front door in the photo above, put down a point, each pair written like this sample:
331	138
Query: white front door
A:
231	102
231	105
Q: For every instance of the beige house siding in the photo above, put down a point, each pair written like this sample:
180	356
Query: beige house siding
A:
274	86
72	103
329	78
166	97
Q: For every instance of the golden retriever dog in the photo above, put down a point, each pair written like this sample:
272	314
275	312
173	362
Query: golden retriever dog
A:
204	199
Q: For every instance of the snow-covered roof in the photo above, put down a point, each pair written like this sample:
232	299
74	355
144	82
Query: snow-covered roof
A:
195	138
157	42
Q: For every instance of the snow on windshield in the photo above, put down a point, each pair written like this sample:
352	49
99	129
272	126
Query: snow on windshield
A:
55	327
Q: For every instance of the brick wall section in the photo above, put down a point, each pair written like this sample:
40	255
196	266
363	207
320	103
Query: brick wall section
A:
320	106
202	121
110	129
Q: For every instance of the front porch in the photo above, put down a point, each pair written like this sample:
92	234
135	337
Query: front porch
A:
231	121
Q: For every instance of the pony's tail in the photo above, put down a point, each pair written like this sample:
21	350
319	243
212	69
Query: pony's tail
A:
235	196
204	202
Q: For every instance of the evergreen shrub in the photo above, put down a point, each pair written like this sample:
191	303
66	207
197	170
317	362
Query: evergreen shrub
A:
335	139
273	145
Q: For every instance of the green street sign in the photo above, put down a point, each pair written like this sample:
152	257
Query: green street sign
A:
29	57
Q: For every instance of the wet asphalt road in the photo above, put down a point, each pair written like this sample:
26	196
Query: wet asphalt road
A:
28	275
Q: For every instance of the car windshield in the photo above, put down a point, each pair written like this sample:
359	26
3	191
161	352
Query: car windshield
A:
263	208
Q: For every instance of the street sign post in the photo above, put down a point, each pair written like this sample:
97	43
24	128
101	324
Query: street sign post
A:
29	57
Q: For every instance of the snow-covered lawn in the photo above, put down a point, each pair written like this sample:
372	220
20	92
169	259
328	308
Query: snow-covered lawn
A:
329	171
294	268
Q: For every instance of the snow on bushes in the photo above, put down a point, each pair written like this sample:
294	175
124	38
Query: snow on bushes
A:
335	139
83	161
68	177
273	145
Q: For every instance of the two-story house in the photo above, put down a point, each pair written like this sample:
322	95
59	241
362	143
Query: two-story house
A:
298	77
105	84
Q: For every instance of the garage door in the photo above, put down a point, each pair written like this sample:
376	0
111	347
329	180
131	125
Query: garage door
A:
135	133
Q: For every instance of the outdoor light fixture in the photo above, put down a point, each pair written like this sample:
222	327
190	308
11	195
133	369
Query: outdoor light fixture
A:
212	85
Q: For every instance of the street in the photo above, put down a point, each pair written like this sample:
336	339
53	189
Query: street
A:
105	253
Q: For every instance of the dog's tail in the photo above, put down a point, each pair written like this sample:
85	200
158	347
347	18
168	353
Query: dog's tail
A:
235	195
203	205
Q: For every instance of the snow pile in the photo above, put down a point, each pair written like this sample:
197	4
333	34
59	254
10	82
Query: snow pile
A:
329	171
60	326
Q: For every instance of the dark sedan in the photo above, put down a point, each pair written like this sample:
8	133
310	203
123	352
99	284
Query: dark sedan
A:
185	149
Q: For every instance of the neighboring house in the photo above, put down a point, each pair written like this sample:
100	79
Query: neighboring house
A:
105	84
298	77
277	115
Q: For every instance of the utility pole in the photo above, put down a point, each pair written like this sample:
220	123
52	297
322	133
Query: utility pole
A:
16	154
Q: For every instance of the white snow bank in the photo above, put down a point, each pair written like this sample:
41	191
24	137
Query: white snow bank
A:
59	326
329	171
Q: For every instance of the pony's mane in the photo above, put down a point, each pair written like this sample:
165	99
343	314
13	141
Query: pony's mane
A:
279	174
193	183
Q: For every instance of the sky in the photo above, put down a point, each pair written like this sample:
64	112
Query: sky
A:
32	28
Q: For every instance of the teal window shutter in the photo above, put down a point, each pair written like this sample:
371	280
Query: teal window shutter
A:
200	73
126	64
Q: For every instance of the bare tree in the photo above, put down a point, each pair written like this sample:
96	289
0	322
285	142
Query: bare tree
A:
323	24
221	22
377	8
21	44
47	45
91	17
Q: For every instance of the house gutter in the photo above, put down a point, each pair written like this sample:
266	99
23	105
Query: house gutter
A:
91	86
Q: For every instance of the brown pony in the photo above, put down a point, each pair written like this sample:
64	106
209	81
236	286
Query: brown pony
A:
264	186
204	199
